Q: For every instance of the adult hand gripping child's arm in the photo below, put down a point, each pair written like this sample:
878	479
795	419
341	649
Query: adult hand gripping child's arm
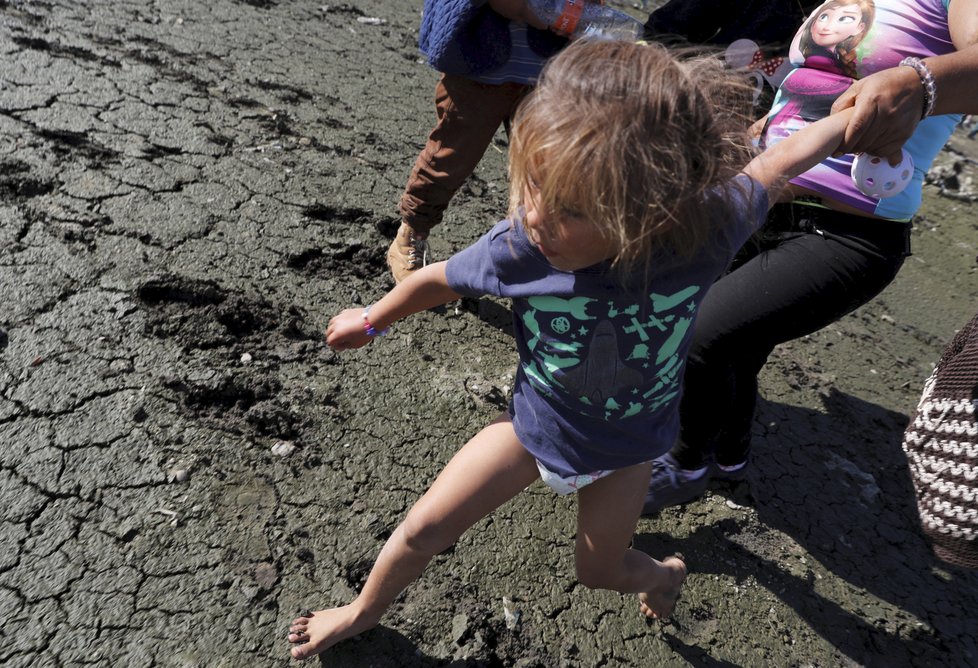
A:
888	103
798	153
423	289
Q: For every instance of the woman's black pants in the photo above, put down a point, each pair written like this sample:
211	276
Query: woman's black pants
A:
805	269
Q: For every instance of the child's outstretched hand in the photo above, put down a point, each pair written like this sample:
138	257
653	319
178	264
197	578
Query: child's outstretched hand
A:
423	289
345	330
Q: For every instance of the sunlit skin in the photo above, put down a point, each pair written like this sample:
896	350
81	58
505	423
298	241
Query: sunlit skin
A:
836	24
568	241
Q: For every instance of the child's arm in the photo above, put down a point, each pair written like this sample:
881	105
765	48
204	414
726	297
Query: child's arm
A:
757	128
423	289
798	153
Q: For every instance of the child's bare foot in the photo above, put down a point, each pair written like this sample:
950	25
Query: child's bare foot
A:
314	632
658	603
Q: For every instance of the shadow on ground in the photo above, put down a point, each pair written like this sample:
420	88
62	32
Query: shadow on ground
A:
836	483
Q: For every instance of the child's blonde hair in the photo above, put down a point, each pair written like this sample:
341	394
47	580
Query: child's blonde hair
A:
633	139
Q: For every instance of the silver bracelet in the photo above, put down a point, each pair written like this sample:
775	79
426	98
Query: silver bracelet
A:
926	80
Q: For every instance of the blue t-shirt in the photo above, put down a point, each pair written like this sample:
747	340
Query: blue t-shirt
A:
601	356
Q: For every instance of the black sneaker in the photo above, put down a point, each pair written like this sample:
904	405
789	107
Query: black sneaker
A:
737	475
669	487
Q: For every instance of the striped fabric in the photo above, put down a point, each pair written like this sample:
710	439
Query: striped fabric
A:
523	66
941	444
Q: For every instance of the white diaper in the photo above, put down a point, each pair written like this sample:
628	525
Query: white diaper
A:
569	484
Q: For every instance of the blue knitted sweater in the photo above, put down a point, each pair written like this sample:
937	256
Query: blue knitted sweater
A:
466	37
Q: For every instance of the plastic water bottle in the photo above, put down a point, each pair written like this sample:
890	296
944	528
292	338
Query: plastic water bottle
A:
587	19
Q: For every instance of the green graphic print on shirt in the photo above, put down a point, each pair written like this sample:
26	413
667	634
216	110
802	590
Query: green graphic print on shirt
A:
604	356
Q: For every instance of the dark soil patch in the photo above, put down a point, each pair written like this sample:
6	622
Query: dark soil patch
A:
203	315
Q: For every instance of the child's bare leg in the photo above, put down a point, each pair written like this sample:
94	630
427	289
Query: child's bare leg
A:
608	510
489	470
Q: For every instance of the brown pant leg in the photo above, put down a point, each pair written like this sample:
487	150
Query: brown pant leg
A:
469	114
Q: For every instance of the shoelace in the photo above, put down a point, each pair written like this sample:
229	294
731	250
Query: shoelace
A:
418	253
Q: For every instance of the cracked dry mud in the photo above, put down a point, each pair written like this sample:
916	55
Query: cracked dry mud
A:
187	192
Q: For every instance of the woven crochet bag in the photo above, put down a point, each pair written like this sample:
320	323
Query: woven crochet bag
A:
941	444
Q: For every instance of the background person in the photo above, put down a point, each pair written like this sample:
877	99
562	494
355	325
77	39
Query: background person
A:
941	444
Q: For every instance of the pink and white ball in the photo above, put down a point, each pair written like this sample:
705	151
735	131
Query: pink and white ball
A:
875	177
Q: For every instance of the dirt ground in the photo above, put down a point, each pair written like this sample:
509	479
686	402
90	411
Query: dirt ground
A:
188	191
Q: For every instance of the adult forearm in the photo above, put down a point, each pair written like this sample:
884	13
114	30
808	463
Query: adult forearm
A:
956	79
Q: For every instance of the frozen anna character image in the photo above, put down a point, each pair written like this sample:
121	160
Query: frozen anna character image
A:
829	38
824	55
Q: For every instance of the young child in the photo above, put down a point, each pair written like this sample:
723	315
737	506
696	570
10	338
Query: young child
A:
628	197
